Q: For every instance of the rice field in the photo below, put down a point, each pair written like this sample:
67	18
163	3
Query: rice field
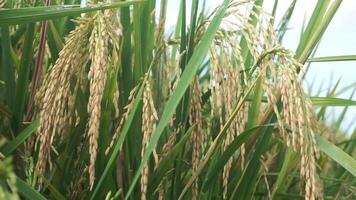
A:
102	101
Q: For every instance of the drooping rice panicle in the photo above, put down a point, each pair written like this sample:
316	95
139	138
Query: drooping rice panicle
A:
196	120
149	119
97	77
53	98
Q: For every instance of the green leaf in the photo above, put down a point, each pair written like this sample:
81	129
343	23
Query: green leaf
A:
332	101
337	155
23	76
167	161
282	175
8	148
53	191
228	153
187	76
255	108
247	183
33	14
283	24
333	58
316	28
27	191
314	21
137	67
7	70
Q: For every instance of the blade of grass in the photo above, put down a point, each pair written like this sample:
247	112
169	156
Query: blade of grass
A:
138	60
332	101
345	89
315	20
126	64
23	76
274	10
53	191
341	118
7	73
167	161
318	32
283	24
176	34
255	107
247	182
27	191
282	175
228	153
8	148
337	155
33	14
333	58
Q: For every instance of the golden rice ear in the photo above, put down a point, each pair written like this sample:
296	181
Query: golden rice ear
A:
127	110
149	120
196	118
99	40
296	115
55	98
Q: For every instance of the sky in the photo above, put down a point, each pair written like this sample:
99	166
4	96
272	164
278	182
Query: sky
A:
339	39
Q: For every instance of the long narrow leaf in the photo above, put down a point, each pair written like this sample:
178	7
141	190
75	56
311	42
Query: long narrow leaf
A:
337	154
27	191
228	153
332	101
333	58
8	148
26	15
167	161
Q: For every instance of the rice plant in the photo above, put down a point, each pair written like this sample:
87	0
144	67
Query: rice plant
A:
103	102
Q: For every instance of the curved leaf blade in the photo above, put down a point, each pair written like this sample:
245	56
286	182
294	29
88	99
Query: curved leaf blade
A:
337	155
8	148
33	14
27	191
333	58
332	101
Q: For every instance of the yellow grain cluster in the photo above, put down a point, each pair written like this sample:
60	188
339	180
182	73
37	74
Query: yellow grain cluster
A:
93	41
97	76
54	97
278	72
196	120
149	120
296	118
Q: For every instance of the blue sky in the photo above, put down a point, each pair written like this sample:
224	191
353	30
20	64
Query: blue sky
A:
339	39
